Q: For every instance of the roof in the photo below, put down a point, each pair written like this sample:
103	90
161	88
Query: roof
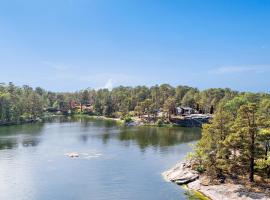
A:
185	108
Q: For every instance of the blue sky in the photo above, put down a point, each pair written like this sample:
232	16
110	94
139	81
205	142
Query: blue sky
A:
67	45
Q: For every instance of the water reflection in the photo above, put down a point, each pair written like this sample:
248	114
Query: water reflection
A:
8	143
26	135
85	122
144	137
159	137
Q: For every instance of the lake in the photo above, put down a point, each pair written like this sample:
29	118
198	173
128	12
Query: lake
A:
115	162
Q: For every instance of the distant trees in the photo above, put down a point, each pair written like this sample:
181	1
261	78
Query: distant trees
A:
142	100
20	104
169	107
190	98
25	102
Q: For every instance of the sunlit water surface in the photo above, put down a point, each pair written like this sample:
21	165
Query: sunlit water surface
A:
115	162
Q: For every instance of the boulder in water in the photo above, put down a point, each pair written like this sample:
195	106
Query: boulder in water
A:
73	155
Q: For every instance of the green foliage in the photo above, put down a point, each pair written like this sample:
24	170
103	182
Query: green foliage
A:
237	141
234	104
142	101
159	122
20	104
169	106
190	98
128	119
200	169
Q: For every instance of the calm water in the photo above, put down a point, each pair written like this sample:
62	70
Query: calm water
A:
115	162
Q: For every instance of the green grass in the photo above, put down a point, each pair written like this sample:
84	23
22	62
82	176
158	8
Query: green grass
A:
194	195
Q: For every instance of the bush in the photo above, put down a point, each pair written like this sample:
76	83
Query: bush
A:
131	114
159	122
117	115
128	119
200	169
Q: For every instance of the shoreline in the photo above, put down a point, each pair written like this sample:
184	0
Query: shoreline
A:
20	122
182	174
99	118
195	193
136	121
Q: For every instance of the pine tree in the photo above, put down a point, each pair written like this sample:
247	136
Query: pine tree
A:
246	128
169	107
212	145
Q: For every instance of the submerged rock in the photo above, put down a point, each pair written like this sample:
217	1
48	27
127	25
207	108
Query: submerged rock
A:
181	174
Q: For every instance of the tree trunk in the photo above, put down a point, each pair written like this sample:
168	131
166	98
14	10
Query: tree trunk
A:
251	168
252	157
252	133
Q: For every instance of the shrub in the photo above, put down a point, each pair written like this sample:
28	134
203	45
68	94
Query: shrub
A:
128	119
200	169
159	122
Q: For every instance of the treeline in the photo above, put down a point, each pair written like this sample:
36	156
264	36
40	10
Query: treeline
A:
24	103
20	104
123	101
236	144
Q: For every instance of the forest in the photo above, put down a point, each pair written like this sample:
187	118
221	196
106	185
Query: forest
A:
19	104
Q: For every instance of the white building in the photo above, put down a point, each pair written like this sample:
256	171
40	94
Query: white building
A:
185	111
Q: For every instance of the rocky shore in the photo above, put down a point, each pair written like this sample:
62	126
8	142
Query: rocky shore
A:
182	174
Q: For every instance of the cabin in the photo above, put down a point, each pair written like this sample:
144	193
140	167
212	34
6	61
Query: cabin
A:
85	108
72	104
185	111
159	112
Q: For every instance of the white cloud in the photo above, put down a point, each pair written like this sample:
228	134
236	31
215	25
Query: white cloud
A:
88	79
88	76
108	85
239	69
107	78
